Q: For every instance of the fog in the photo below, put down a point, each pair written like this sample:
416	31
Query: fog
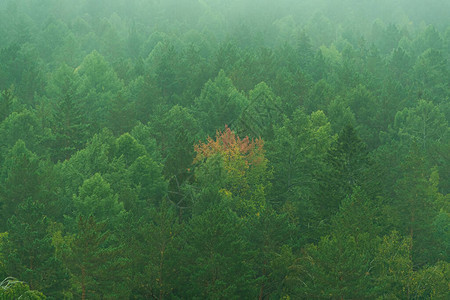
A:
224	149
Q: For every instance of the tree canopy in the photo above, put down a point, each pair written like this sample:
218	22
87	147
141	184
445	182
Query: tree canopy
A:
232	149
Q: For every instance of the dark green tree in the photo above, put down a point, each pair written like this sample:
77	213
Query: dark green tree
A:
20	180
177	149
261	114
24	125
298	155
431	75
147	179
163	63
29	252
99	87
122	112
95	198
340	264
212	258
6	103
95	261
69	112
149	251
425	127
268	233
219	103
414	209
347	162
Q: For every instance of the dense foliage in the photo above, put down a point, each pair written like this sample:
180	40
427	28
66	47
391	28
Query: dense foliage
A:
234	149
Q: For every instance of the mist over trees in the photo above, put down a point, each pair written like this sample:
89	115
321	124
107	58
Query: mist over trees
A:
224	149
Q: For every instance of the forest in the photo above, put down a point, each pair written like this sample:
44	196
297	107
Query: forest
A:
224	149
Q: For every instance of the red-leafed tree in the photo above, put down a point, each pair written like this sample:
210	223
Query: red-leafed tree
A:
242	170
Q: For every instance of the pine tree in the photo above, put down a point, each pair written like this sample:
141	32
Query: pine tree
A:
95	261
30	254
414	208
212	259
150	240
69	113
19	180
6	103
347	164
95	198
219	104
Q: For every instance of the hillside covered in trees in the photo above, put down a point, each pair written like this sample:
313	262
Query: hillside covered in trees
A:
224	149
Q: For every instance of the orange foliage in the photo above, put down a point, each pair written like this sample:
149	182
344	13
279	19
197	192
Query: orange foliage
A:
230	146
245	181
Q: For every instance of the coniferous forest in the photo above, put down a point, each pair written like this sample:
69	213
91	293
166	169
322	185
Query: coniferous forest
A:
224	149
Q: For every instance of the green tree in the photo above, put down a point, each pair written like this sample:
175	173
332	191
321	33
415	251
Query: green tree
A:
20	180
194	69
414	209
212	260
11	288
29	252
431	76
388	38
146	177
100	85
340	264
6	103
423	124
219	103
69	112
268	235
261	114
24	125
128	149
432	281
110	41
24	69
393	267
95	261
426	127
163	63
320	96
400	63
150	241
347	166
147	96
303	47
340	115
297	154
122	112
2	259
132	174
95	198
366	109
54	41
177	149
429	38
337	267
96	157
